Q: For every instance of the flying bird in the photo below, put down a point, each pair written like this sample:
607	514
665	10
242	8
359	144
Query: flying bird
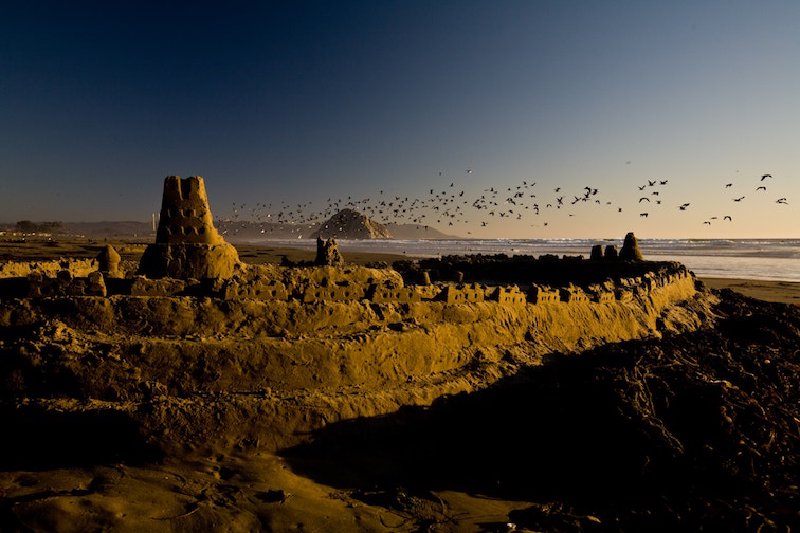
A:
762	188
727	218
643	199
738	199
765	176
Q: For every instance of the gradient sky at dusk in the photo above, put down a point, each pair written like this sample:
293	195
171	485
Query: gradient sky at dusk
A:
296	101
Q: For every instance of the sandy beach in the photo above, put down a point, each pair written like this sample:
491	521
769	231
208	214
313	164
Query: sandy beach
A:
418	427
771	291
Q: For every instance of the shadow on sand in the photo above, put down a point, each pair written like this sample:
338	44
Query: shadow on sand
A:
557	432
38	439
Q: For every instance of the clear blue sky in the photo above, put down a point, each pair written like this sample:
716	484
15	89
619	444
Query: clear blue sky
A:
302	101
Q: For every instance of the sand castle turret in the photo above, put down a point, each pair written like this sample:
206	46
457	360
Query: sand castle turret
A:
187	243
630	249
328	253
108	261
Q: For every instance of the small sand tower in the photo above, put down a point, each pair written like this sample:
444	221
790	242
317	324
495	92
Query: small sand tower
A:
630	249
187	243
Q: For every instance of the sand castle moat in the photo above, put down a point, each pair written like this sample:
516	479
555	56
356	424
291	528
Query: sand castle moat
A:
195	347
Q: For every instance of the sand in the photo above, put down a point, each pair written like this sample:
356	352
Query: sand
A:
771	291
580	442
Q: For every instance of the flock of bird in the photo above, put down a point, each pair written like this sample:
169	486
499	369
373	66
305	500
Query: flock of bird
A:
448	205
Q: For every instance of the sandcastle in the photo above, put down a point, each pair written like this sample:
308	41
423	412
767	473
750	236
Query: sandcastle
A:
187	243
267	342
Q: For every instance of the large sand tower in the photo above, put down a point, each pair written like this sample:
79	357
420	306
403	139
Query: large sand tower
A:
187	243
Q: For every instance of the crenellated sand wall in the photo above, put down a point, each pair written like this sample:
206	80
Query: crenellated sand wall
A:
270	366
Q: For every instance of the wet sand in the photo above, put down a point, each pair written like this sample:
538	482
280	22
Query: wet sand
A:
771	291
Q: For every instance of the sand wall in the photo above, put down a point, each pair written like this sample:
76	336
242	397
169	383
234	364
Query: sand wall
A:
204	344
270	370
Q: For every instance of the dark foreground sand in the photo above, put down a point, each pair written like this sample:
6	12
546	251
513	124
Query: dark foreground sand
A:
688	431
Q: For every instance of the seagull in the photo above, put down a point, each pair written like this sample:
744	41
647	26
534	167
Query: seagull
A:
762	188
663	182
707	222
781	201
738	199
728	185
644	215
727	218
765	176
643	199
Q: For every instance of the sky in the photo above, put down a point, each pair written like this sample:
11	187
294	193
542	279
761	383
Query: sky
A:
283	103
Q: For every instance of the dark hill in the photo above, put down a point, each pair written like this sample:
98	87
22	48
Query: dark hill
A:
350	224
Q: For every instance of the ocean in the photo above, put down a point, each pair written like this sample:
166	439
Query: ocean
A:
764	259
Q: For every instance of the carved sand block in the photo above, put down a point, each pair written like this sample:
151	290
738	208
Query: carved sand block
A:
510	296
539	295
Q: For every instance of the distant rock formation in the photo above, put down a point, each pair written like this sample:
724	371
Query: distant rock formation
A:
350	224
630	249
328	253
187	243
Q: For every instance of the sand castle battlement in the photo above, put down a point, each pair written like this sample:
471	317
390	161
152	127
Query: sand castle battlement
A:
310	285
